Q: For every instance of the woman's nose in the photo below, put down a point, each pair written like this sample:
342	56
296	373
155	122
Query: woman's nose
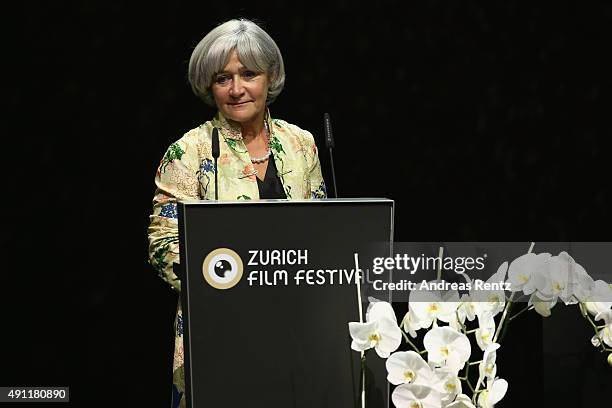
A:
236	90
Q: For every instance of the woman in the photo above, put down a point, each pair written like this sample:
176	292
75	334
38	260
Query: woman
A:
238	68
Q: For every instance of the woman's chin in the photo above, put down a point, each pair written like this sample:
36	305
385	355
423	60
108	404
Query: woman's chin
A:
241	117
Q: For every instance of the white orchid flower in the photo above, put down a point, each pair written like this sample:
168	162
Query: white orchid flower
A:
408	367
552	278
488	367
447	347
462	401
496	390
415	396
429	306
447	383
380	331
410	324
522	269
379	308
490	301
541	306
581	284
599	298
458	322
485	332
484	304
467	308
562	278
605	334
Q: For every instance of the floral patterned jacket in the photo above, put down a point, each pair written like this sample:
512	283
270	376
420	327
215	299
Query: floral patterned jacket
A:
186	172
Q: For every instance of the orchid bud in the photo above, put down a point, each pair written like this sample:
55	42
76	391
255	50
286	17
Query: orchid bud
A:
610	359
595	341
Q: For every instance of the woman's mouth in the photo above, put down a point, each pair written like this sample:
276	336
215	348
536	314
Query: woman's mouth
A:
238	104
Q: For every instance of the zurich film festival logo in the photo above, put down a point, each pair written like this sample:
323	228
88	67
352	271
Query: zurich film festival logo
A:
222	268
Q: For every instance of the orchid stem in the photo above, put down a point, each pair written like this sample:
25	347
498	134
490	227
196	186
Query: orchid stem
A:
466	377
503	318
592	323
469	384
363	380
412	344
463	326
467	372
439	274
501	323
476	362
519	313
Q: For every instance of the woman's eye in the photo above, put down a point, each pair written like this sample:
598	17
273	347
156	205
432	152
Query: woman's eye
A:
221	79
249	74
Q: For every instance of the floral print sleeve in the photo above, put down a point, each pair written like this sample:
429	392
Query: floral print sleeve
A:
176	179
315	177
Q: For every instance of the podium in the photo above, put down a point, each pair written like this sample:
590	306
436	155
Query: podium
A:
268	289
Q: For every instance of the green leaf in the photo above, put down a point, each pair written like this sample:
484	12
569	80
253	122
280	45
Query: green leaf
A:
276	145
233	144
174	152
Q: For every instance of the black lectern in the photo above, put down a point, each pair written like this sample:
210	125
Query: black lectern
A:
268	289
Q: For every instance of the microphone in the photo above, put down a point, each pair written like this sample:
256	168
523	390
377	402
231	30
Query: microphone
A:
329	142
329	137
215	154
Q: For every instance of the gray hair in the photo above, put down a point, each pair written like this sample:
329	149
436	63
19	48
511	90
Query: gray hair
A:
256	50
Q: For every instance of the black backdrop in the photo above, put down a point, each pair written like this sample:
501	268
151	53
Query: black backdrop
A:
483	120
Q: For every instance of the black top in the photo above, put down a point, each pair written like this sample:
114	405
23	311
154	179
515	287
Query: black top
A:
271	186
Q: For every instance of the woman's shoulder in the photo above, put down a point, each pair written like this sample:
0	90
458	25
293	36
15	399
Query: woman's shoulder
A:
191	146
198	134
282	127
196	141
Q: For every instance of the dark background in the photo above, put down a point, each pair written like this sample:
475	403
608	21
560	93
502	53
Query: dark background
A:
483	120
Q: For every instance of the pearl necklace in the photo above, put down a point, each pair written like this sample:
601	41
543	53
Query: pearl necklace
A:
262	158
266	156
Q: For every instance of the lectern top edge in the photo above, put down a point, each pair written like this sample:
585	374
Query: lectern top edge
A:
285	201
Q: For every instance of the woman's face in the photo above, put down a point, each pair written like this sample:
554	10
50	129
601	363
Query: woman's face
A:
240	94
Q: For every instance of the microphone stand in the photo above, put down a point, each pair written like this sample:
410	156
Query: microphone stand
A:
215	154
329	142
